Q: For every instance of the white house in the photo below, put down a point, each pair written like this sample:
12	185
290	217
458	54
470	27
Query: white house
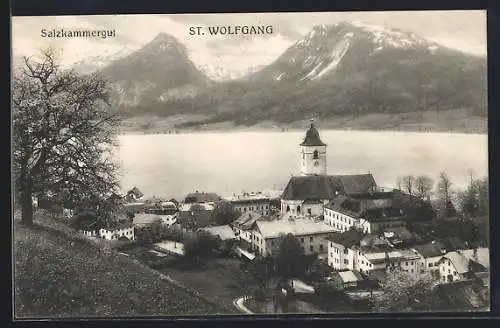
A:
115	233
353	251
144	219
372	214
431	255
461	265
311	234
242	226
122	230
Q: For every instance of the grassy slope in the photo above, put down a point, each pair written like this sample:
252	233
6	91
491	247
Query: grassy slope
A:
59	275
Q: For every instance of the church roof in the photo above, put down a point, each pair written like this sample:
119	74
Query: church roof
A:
312	137
326	186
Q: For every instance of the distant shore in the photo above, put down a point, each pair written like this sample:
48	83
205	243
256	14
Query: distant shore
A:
457	121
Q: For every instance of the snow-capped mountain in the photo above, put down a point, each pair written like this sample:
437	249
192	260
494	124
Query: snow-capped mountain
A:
354	69
95	63
323	50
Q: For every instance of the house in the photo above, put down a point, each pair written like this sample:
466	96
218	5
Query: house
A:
251	202
266	235
121	230
161	207
201	197
462	265
371	215
197	215
225	233
346	279
431	254
242	226
356	252
144	219
134	195
340	249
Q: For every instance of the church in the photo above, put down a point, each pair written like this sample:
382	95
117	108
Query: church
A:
306	194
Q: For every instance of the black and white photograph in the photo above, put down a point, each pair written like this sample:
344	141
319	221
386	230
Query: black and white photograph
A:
248	164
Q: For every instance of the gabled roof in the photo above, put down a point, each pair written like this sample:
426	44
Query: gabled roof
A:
430	250
461	259
382	214
136	192
326	186
297	227
246	220
481	256
224	232
347	239
357	184
349	276
312	137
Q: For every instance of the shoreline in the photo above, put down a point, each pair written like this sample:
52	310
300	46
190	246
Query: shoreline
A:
122	131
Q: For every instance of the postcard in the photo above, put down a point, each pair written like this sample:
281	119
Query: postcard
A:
172	165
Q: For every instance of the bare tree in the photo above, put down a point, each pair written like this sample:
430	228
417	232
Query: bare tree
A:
399	183
444	195
423	187
63	134
408	184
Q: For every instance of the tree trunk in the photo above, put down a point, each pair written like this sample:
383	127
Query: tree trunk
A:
27	202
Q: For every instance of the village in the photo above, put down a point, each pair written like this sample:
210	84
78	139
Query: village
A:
342	238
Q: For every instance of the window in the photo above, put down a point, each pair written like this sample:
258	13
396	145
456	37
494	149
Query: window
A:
288	208
298	209
311	248
346	261
302	239
430	265
321	247
406	263
411	270
315	154
311	239
346	251
308	211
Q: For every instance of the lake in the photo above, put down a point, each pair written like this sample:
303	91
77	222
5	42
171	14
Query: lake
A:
172	165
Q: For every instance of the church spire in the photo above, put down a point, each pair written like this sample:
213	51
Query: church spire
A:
313	153
312	136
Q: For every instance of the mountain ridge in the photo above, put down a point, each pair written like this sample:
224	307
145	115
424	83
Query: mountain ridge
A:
348	68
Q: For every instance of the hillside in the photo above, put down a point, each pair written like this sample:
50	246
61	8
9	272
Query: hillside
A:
57	275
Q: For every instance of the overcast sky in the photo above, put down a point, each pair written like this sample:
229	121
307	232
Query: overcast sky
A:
463	30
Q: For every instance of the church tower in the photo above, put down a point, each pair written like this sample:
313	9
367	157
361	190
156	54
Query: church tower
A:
313	153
